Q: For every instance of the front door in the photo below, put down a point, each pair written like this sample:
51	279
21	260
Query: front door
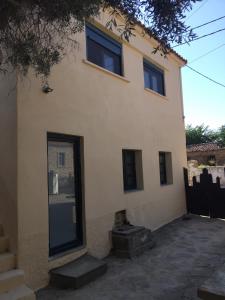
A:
64	193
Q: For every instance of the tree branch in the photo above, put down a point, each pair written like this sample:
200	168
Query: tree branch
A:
14	2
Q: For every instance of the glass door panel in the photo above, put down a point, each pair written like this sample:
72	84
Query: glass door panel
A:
63	185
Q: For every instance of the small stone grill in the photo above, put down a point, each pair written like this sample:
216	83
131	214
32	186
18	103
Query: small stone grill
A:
129	241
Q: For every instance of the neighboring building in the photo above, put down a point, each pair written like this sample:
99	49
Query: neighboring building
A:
196	170
110	137
206	154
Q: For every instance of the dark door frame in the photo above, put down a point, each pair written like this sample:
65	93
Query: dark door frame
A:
76	140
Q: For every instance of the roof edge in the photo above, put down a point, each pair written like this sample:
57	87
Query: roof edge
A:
151	35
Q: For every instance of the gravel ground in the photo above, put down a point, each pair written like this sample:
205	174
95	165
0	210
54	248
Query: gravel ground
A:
187	252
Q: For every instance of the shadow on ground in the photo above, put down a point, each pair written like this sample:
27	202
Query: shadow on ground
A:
186	254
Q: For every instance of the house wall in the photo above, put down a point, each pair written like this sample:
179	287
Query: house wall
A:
203	157
110	113
8	157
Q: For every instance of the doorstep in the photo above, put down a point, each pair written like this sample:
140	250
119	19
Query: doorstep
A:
78	272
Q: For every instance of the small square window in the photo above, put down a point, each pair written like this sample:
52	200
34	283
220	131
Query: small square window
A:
165	168
154	78
61	159
132	170
102	50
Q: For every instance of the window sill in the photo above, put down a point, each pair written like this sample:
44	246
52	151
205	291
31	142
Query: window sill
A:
165	184
155	93
67	252
105	71
131	191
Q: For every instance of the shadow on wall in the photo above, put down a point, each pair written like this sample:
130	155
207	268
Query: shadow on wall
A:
8	157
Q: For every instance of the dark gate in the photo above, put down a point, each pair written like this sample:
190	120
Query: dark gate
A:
205	197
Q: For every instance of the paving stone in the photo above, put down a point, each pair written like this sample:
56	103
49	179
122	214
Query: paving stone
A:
214	287
187	253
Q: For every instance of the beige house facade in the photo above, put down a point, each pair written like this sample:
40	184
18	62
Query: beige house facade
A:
110	137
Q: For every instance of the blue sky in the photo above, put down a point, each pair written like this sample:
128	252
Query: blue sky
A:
204	101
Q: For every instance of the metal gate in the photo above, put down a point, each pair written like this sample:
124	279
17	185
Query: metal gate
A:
205	197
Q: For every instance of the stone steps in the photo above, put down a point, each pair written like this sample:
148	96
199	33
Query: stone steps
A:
77	273
12	285
10	280
21	292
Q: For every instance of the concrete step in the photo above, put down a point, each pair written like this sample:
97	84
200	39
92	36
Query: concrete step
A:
7	262
21	292
78	273
4	244
1	230
10	280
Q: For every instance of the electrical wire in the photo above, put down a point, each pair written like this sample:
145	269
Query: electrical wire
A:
212	21
207	77
200	37
197	58
194	12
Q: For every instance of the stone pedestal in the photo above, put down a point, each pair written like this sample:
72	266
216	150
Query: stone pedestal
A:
129	241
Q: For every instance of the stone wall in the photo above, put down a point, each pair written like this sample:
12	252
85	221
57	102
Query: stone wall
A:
216	171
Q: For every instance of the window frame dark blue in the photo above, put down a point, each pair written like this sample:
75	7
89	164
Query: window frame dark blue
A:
105	42
162	168
76	141
132	173
151	68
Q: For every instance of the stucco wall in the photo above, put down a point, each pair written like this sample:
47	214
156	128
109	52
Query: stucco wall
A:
8	213
110	113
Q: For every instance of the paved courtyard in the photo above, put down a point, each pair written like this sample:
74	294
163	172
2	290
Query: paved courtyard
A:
186	254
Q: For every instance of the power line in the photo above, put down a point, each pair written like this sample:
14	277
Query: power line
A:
200	37
194	12
204	24
212	21
205	76
197	58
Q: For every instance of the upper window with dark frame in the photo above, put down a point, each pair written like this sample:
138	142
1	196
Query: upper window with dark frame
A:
103	51
154	78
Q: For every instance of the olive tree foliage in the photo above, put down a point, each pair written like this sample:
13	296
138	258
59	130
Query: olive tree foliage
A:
38	33
199	134
203	134
220	136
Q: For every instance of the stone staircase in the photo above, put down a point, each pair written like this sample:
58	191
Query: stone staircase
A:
12	285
